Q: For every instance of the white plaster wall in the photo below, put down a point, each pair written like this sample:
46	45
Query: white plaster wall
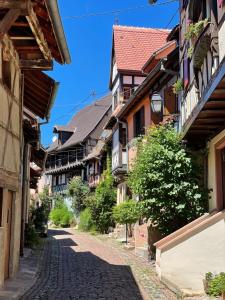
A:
186	264
212	169
222	42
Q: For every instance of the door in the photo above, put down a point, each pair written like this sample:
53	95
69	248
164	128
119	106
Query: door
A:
7	225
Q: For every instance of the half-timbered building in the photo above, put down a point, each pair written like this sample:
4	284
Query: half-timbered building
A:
185	256
74	143
31	37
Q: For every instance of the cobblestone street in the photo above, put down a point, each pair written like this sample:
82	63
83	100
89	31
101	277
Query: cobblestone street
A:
75	265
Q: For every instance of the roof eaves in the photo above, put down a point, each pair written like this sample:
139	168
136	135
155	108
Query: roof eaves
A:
53	10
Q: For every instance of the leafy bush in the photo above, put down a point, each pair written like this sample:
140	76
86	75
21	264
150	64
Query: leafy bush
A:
61	216
216	284
78	191
166	180
86	223
127	212
178	87
31	236
101	205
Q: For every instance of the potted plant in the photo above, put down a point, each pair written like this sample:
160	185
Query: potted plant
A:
178	86
195	29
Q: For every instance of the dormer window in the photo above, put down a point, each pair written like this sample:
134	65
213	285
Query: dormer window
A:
127	91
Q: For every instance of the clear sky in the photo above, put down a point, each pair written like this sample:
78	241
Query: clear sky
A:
89	39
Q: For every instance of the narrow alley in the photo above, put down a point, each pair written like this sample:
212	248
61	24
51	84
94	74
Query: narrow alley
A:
76	265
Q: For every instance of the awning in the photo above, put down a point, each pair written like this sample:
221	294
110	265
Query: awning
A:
39	93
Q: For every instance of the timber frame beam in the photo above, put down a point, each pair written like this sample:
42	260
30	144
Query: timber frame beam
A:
24	6
39	36
36	64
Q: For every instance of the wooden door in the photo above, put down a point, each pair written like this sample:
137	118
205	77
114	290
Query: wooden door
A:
7	225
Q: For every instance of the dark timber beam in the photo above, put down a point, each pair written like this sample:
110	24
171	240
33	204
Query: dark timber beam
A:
8	20
23	5
36	64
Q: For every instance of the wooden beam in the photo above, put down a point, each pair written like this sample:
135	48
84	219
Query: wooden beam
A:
23	38
6	23
39	36
37	64
24	6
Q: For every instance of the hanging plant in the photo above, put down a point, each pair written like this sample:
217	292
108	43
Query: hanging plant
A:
178	86
190	52
194	30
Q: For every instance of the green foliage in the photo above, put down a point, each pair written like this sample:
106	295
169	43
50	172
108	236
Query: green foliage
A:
58	201
86	223
101	205
216	284
178	86
127	212
166	180
195	29
78	191
31	236
61	216
190	51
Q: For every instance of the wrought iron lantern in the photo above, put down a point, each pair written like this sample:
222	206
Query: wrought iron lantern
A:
156	103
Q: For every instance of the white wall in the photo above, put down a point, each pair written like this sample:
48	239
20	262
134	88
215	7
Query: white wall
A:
186	264
212	169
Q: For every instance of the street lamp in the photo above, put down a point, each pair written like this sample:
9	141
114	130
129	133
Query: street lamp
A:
156	103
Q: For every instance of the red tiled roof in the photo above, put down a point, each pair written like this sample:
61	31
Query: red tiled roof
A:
134	45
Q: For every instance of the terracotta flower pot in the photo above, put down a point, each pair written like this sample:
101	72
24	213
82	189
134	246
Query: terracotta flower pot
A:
223	295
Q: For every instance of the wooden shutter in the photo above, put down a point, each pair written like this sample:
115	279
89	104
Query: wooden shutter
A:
186	71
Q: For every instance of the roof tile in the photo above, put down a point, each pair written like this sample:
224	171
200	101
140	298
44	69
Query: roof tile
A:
134	45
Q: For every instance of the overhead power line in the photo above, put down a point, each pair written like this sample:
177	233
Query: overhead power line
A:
117	11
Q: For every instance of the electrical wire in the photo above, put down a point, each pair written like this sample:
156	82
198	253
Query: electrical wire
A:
117	11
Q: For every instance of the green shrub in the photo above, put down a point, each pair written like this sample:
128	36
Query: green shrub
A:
78	191
126	212
61	216
101	205
86	223
216	284
31	236
167	181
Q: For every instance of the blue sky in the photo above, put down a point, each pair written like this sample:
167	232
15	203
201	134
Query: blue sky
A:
89	40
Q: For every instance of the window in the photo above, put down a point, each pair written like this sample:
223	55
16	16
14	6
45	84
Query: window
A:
139	122
126	92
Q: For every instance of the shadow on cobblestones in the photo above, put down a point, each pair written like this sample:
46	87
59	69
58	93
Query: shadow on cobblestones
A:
66	273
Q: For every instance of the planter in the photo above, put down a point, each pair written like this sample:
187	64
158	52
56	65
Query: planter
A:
223	295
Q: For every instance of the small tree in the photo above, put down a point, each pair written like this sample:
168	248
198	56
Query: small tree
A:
102	204
126	213
78	191
166	180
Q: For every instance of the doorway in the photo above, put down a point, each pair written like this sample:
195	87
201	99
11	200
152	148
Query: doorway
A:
7	226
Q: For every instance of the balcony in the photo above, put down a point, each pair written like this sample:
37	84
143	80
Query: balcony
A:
64	161
59	188
119	161
93	180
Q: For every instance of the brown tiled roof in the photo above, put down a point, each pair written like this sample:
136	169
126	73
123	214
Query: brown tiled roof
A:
86	120
134	45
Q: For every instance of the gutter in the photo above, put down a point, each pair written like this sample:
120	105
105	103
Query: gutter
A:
53	10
